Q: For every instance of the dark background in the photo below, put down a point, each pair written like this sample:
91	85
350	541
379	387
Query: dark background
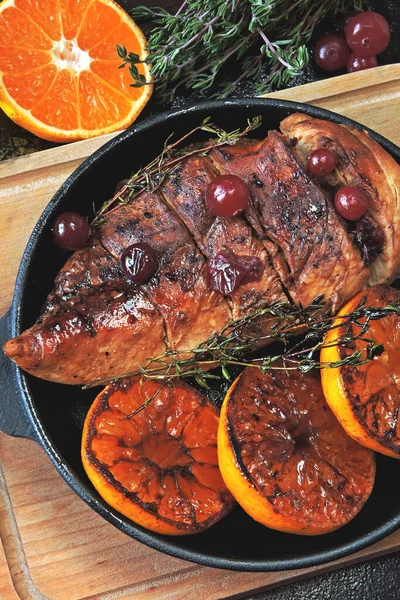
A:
378	579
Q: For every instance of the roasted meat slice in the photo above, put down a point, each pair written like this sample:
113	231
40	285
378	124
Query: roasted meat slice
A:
362	163
191	311
308	242
185	190
110	331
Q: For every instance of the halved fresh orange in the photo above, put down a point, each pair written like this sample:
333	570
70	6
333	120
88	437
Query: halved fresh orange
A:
366	399
286	459
158	467
59	75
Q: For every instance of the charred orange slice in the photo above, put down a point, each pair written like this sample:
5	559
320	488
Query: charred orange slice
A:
366	399
158	467
286	459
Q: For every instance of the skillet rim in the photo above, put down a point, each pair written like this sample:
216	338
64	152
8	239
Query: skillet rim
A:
165	543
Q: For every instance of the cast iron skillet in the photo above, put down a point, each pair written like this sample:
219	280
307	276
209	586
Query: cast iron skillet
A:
53	414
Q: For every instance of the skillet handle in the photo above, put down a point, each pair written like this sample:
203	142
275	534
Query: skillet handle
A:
12	417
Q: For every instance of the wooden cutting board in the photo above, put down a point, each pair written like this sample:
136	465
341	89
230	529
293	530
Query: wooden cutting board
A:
53	545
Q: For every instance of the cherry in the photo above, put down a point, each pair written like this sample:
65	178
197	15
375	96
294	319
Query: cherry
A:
345	19
139	262
321	162
71	231
351	203
359	63
227	195
368	34
227	271
331	52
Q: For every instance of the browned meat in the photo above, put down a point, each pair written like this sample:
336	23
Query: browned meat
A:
85	271
366	165
191	311
185	191
97	324
109	331
308	242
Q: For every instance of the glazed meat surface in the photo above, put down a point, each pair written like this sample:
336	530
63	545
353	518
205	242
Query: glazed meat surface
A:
190	310
97	323
185	191
309	245
362	163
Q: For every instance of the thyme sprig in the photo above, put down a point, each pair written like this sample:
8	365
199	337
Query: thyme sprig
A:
189	48
152	175
238	339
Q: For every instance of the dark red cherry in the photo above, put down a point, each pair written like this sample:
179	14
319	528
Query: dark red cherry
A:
359	63
227	271
351	203
139	262
321	162
71	231
368	34
227	195
344	21
331	52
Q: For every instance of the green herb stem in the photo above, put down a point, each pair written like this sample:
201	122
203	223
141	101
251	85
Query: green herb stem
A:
239	338
190	47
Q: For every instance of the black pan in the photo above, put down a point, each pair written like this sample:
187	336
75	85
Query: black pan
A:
53	414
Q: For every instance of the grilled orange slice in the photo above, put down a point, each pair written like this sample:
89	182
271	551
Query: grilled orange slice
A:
286	459
366	399
158	467
59	75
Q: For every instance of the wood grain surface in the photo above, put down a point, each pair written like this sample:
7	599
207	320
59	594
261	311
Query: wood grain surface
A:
53	545
58	548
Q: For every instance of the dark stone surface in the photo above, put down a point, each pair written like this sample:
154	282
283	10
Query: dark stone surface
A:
378	579
375	580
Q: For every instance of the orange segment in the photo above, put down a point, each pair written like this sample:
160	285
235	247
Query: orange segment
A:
99	20
286	459
100	103
17	29
72	14
22	60
29	88
119	79
43	12
366	399
58	107
142	464
106	48
76	96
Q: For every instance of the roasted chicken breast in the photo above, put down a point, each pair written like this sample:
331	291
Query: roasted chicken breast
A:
97	323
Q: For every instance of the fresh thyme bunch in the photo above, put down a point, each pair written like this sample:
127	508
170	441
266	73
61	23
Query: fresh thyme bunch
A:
189	48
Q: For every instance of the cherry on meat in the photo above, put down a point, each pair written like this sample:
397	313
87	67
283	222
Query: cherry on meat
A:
227	195
351	203
139	262
321	162
71	231
227	271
